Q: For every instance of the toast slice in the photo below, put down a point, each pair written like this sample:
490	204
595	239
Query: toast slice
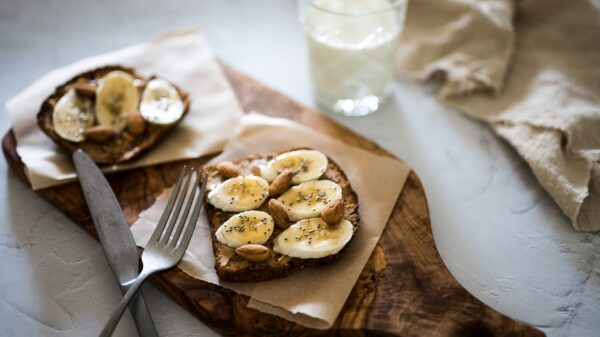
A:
231	267
125	145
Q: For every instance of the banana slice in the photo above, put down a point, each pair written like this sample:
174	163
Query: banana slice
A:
238	194
161	103
308	199
313	238
116	97
72	115
245	228
308	164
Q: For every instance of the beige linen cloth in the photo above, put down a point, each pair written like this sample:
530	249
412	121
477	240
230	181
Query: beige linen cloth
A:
531	69
314	296
183	58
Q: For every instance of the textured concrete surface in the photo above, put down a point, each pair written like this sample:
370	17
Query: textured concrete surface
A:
500	234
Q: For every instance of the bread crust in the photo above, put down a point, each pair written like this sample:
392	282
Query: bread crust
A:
233	268
125	146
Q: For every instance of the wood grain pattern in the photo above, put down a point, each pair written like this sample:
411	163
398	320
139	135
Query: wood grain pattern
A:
404	290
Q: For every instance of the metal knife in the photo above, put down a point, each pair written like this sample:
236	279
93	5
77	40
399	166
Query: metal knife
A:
115	236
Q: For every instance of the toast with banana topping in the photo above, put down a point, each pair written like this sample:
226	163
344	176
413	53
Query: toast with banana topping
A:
112	113
273	214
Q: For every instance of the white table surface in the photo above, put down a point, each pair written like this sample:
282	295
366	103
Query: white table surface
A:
499	233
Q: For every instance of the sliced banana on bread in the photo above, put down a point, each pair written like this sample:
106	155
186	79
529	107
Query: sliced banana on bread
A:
313	238
72	115
112	113
239	194
116	98
259	236
161	103
248	227
308	199
307	165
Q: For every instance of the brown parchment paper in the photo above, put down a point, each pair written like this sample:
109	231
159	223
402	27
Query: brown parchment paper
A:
183	58
314	296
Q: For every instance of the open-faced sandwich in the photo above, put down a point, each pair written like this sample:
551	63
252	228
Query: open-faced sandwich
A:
112	113
273	214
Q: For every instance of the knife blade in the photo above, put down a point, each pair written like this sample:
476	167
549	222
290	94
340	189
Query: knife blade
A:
115	236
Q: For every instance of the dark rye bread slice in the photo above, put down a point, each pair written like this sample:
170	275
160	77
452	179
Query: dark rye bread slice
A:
125	146
231	267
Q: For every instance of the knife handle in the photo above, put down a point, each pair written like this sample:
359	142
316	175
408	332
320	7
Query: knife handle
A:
141	315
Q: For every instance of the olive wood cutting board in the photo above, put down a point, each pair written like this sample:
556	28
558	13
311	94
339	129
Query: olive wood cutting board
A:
404	290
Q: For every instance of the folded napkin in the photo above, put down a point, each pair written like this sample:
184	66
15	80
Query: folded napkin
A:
183	58
313	296
530	69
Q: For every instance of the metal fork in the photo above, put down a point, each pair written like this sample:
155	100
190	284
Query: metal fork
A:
169	240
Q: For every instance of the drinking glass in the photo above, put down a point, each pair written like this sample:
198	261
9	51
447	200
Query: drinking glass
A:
351	48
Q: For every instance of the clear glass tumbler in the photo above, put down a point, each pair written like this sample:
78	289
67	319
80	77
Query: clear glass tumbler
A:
351	48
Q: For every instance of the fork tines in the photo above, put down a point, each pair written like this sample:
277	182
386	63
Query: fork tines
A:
174	221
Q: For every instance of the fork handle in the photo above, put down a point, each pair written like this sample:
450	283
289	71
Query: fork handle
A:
141	315
115	316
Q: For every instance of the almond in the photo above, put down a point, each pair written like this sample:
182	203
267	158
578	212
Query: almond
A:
136	123
228	169
253	252
52	102
99	134
281	183
84	89
255	170
279	214
333	212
